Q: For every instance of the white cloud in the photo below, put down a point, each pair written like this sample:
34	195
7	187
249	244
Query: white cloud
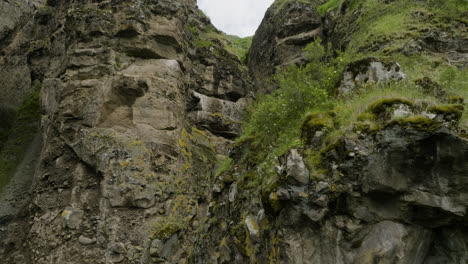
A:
235	17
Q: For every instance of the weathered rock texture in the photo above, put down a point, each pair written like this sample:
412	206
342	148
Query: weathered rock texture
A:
136	115
390	195
288	26
367	71
133	118
15	31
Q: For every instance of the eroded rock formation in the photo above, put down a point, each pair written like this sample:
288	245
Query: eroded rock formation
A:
134	160
133	118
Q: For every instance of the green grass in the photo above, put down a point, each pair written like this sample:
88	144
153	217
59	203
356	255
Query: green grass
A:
165	228
388	27
349	111
223	165
450	8
238	46
273	124
275	120
210	37
329	6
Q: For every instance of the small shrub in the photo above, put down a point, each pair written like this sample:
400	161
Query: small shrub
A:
329	6
274	121
223	166
165	228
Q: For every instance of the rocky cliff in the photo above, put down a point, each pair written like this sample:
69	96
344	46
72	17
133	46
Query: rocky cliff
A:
123	143
134	114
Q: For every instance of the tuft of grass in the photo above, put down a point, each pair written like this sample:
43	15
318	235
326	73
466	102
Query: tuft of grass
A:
166	227
329	6
420	122
223	166
208	36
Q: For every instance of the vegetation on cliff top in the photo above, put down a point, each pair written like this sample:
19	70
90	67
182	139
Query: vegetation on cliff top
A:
208	36
384	30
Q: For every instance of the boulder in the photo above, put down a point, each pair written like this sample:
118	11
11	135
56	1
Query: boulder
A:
296	171
369	70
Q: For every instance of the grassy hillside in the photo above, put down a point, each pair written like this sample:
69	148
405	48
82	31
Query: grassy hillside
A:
209	36
397	30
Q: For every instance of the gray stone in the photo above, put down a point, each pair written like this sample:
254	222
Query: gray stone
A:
232	192
297	173
156	248
118	247
392	242
315	215
322	187
281	38
144	197
402	111
72	217
253	227
171	246
283	194
321	201
217	188
86	241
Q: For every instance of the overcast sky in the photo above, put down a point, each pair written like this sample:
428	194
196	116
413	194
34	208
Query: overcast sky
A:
235	17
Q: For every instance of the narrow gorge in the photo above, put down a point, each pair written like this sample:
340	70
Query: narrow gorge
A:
137	132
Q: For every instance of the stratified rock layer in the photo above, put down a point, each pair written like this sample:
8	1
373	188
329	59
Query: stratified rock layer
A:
288	26
134	163
133	118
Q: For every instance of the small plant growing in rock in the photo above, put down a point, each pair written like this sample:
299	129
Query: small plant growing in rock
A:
165	228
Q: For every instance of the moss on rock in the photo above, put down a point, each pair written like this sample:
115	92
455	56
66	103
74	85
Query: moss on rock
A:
420	122
454	110
167	227
315	122
381	105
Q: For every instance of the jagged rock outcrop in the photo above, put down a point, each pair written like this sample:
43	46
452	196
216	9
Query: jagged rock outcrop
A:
288	26
431	36
367	71
394	192
391	189
134	161
15	30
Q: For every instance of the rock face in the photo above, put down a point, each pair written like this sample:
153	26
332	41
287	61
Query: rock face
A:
367	71
133	116
134	160
393	195
288	26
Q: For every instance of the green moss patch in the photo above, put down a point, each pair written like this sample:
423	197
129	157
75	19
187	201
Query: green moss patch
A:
166	227
329	6
382	105
450	109
223	165
209	37
420	122
322	121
